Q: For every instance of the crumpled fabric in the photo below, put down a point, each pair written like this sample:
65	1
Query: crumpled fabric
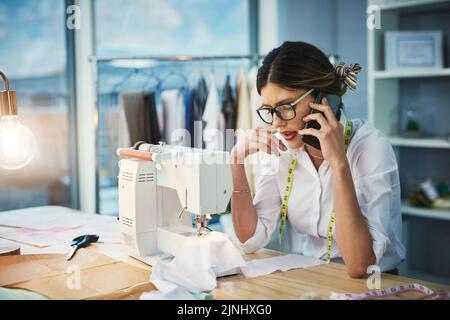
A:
192	272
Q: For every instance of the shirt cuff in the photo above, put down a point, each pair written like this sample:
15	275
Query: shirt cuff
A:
258	241
379	247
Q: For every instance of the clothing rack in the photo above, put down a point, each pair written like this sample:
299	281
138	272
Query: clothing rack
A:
179	58
96	61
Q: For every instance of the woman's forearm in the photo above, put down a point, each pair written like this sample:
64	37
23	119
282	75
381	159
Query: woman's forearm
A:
243	212
352	233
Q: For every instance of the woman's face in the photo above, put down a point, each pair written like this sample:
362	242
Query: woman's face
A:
274	95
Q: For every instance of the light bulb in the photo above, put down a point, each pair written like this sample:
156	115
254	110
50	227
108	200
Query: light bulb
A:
17	143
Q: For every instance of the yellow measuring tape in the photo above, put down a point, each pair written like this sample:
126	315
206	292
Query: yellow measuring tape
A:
287	194
348	131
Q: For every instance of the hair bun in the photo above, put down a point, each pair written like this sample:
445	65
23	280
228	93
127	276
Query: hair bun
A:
347	73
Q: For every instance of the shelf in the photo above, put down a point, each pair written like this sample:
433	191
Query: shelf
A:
397	5
409	210
412	73
424	276
420	142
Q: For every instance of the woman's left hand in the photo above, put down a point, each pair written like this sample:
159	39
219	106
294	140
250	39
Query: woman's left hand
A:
330	135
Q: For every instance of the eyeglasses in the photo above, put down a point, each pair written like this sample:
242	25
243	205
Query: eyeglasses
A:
285	111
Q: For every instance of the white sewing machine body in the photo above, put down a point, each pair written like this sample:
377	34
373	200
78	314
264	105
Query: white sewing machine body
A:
153	193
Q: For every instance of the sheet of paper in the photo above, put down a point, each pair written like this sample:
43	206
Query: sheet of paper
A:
53	276
46	235
261	267
21	268
47	218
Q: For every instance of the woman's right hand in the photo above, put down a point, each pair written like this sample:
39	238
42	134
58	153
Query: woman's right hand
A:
257	139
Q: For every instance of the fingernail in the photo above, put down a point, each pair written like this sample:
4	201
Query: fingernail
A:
324	100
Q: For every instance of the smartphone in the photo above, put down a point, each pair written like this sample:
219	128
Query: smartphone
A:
335	103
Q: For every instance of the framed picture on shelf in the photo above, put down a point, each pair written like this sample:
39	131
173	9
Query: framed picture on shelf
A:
413	49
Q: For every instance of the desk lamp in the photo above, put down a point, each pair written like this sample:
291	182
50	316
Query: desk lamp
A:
17	142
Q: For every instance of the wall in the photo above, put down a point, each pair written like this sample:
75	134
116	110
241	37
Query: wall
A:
335	26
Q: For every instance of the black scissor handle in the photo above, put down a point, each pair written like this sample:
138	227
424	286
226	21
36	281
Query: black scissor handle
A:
84	240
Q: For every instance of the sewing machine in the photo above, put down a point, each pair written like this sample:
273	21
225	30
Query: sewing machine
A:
161	187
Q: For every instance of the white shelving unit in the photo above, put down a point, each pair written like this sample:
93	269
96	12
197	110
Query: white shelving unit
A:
409	210
384	90
412	73
420	143
402	4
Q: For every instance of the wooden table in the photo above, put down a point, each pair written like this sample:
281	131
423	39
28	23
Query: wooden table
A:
299	284
294	284
315	282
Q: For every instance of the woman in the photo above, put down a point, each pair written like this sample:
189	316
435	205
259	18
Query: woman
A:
340	203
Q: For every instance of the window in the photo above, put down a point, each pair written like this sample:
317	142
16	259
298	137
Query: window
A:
171	27
33	54
156	27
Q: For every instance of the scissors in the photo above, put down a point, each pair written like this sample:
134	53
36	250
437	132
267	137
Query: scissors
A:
80	242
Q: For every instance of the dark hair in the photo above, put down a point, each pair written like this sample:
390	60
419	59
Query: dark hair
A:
300	65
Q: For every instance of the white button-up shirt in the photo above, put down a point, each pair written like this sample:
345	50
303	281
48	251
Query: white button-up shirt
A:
375	175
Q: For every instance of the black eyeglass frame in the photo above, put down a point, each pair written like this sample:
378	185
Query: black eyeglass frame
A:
273	110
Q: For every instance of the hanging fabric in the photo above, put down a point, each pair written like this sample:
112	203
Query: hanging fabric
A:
244	117
124	134
255	159
200	97
152	119
131	111
244	120
138	120
189	104
229	114
174	117
229	105
211	133
255	98
108	133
